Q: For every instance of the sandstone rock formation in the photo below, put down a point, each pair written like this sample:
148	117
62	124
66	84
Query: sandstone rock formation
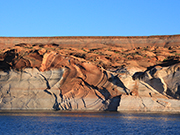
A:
49	76
92	42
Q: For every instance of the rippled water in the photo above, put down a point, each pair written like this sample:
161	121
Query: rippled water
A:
76	123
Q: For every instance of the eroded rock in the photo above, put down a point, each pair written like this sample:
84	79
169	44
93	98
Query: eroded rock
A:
114	79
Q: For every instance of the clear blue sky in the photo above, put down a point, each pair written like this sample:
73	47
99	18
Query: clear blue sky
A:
89	17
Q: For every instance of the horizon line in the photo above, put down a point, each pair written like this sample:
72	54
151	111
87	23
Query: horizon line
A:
90	36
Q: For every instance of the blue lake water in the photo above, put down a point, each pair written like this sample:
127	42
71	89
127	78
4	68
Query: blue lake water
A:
88	123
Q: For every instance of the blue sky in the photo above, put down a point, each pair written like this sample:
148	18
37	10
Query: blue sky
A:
89	17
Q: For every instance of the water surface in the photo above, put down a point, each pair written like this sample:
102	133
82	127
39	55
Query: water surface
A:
105	123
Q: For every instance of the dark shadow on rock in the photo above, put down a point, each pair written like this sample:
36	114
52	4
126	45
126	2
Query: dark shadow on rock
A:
61	96
114	103
56	104
137	75
175	95
116	81
156	84
169	62
105	93
21	44
9	55
39	44
8	61
84	103
4	66
47	92
169	92
54	44
120	70
178	91
47	83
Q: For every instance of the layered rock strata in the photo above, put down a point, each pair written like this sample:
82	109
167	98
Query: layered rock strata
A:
52	77
92	42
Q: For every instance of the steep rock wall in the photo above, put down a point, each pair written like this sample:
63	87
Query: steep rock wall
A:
112	78
63	83
28	88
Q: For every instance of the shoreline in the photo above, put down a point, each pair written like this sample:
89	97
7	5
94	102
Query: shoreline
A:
66	112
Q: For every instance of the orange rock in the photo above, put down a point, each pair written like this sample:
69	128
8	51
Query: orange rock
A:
102	74
42	51
137	57
149	54
160	58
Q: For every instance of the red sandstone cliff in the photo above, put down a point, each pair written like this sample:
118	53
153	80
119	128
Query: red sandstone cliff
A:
93	73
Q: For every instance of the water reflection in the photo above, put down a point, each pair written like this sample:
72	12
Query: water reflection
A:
88	123
117	115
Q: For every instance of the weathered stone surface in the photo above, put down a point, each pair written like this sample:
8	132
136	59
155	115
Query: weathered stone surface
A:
47	76
29	88
157	90
147	104
64	89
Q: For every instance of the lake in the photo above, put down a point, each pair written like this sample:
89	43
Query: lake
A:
85	123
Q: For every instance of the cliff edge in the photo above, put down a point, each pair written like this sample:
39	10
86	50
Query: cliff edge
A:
111	77
91	42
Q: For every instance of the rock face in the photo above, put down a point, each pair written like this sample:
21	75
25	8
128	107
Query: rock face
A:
91	42
113	79
75	87
157	89
28	89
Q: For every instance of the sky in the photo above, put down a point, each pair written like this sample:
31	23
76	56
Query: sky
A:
32	18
